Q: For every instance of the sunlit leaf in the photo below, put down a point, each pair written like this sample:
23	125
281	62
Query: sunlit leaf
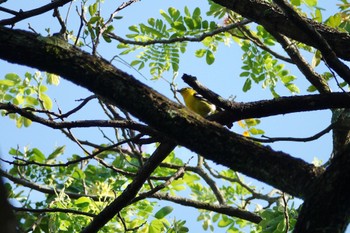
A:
163	212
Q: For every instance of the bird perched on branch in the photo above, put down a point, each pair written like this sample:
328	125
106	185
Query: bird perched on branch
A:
196	102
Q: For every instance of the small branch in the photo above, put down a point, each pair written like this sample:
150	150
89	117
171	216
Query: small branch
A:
248	35
78	124
255	195
314	78
44	189
27	14
179	173
12	12
56	13
290	139
91	156
223	209
80	106
53	210
286	215
200	171
180	39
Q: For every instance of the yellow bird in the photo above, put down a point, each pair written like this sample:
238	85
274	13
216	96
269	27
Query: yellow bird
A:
196	102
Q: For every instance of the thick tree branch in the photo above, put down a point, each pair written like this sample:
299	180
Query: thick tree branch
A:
269	16
327	53
7	218
177	123
237	111
327	205
314	78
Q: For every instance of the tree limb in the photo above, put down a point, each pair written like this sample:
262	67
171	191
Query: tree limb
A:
27	14
131	191
177	123
327	206
320	43
273	19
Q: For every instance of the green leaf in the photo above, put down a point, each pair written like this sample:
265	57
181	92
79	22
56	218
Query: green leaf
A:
256	131
293	88
311	3
18	100
224	221
13	77
287	79
174	13
166	17
36	155
134	28
46	101
316	59
318	15
42	88
156	226
52	79
26	122
200	52
57	152
295	2
8	83
94	19
311	89
189	22
78	174
83	202
210	58
187	12
247	85
216	217
93	9
196	13
163	212
30	100
178	25
244	74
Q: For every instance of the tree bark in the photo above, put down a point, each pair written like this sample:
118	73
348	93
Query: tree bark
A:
272	18
179	125
326	207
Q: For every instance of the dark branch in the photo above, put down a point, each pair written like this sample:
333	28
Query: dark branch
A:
273	19
10	108
223	209
237	111
175	122
314	78
27	14
131	191
53	210
327	52
180	39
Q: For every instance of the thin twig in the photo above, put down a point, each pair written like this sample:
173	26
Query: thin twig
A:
27	14
291	139
180	39
53	210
